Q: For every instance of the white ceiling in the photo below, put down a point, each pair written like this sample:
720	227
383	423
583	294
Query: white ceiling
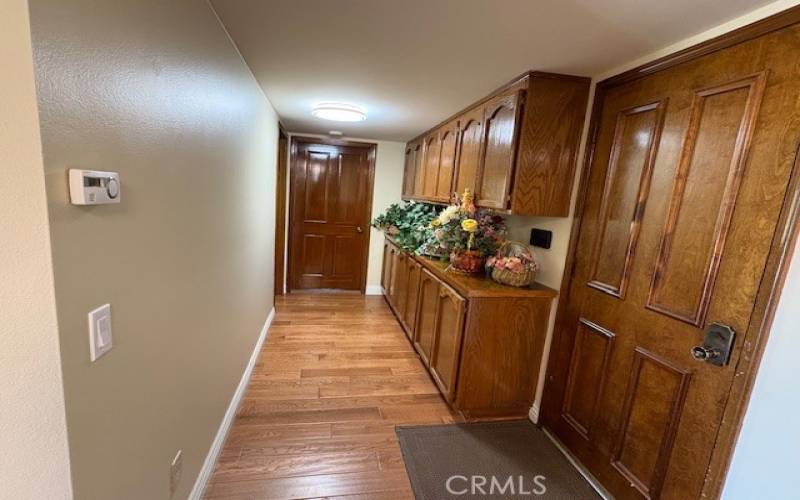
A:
413	63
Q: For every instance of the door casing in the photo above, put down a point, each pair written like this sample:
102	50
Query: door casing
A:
281	179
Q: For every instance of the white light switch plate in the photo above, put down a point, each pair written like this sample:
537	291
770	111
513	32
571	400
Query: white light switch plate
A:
100	339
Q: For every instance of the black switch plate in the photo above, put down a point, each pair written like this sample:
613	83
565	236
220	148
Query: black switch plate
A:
541	238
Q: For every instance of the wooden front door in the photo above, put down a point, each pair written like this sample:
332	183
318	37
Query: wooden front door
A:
689	172
331	188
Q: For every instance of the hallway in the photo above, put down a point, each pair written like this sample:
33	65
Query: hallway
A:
335	376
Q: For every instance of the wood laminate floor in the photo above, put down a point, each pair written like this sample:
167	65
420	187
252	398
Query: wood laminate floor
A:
335	376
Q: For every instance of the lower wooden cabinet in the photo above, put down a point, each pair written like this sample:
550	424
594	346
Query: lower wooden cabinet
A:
386	273
482	342
426	316
410	316
399	289
450	308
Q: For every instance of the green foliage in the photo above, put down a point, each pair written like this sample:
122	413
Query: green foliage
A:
408	223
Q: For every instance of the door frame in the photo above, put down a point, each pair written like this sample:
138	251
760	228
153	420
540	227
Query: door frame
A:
371	155
281	189
787	232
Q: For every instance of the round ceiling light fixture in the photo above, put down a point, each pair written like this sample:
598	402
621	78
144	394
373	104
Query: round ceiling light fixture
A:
339	112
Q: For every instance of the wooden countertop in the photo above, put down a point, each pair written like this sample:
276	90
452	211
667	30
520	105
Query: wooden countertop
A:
479	285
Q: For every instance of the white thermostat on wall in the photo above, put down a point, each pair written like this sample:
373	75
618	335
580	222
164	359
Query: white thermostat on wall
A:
93	187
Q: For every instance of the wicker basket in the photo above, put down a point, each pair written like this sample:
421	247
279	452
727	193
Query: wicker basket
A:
511	278
466	262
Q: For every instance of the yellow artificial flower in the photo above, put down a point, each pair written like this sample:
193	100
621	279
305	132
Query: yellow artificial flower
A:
436	222
469	225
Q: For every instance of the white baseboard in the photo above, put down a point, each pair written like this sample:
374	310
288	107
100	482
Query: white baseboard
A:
230	413
533	413
373	290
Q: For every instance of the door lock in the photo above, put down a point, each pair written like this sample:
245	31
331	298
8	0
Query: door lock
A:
717	345
703	353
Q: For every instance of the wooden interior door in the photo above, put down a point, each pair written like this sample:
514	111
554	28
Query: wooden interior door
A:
425	331
681	203
447	340
500	134
469	155
448	151
331	198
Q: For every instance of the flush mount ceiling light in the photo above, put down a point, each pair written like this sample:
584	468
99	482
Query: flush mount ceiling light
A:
339	112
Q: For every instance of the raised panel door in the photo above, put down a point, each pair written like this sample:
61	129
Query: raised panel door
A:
425	330
447	340
500	134
430	170
386	275
419	169
410	317
469	151
329	211
688	176
448	152
410	169
400	284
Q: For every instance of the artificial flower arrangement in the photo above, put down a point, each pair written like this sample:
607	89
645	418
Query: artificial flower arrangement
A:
513	265
407	223
468	234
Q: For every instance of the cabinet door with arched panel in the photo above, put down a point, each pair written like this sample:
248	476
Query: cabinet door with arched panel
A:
500	135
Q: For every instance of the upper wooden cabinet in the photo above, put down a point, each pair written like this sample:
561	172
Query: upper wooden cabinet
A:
469	155
431	152
430	163
516	148
500	133
448	149
410	168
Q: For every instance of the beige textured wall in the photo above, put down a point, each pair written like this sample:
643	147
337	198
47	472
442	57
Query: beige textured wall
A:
34	461
156	91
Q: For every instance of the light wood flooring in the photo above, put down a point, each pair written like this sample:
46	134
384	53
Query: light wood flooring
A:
335	376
